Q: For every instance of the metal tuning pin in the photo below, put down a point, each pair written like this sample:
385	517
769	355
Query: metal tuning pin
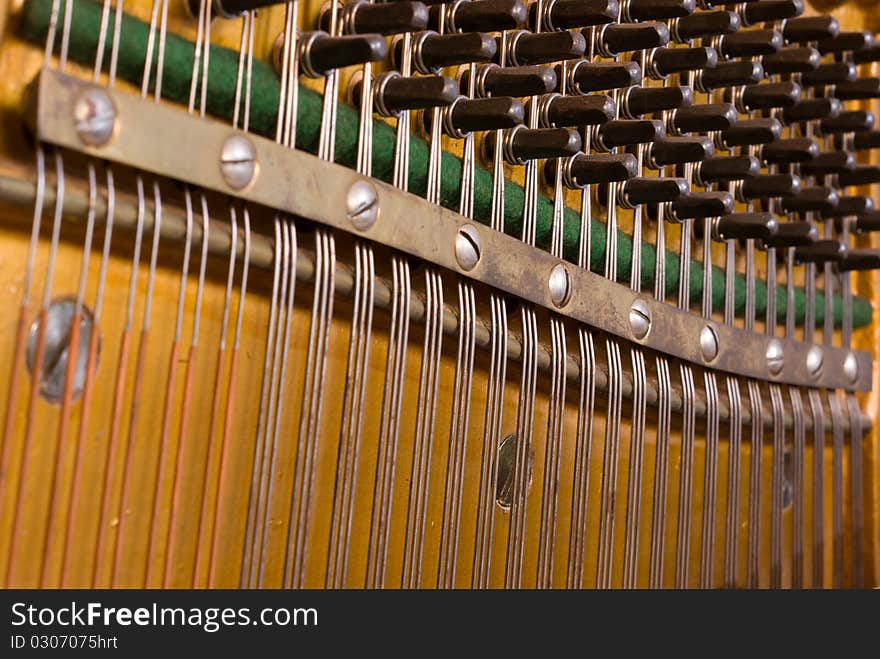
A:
525	48
852	42
816	199
638	101
568	14
868	55
749	43
471	115
821	251
320	53
394	93
766	96
832	73
481	15
745	226
432	52
829	162
704	24
768	11
860	259
585	77
866	222
703	118
791	234
734	168
664	62
559	111
679	150
866	140
807	29
629	132
615	38
363	17
849	205
768	186
858	90
811	109
581	170
650	190
493	80
789	151
751	132
698	205
729	74
852	121
791	60
522	144
656	10
859	175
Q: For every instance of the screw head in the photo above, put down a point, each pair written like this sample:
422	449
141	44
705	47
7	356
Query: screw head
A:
238	161
362	204
559	284
815	360
774	357
709	343
851	368
640	319
94	116
468	247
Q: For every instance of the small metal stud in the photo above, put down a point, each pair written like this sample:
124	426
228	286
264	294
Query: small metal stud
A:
362	203
238	162
468	247
851	368
559	284
709	343
815	361
774	357
94	115
640	319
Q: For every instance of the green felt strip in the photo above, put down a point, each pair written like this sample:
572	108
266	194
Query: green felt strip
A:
176	77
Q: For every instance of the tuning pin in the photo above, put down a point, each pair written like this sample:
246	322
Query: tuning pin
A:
765	96
869	139
860	175
628	132
704	24
493	80
666	61
868	55
615	38
745	226
728	74
811	109
853	121
821	251
751	132
787	152
820	199
320	53
525	48
810	28
791	234
832	73
791	60
828	162
638	101
568	14
471	115
734	168
846	42
768	11
748	43
857	90
849	205
521	144
480	15
860	259
635	11
698	205
585	77
394	93
652	190
364	17
432	52
768	186
581	170
679	150
560	111
866	223
704	118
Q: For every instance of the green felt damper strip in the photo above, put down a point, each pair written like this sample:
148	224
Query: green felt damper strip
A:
176	77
